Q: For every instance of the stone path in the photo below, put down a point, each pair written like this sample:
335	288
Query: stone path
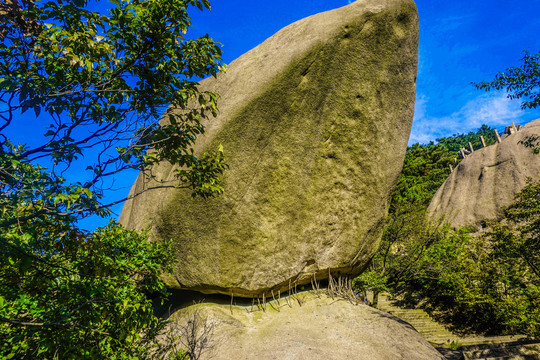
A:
455	347
513	351
434	332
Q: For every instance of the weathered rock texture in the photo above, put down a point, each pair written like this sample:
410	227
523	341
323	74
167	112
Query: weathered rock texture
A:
487	180
322	328
314	123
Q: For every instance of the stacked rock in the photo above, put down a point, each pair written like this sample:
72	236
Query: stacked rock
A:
314	123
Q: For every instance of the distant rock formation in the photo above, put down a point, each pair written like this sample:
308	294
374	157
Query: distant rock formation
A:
314	123
322	328
487	180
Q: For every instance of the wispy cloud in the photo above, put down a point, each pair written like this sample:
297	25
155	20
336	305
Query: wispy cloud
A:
450	23
493	109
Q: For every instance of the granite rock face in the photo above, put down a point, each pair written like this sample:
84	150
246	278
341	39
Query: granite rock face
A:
314	123
487	180
322	328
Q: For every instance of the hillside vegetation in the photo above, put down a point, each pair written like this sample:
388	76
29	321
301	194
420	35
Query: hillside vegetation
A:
484	283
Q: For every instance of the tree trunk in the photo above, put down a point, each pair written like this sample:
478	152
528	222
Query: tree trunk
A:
375	298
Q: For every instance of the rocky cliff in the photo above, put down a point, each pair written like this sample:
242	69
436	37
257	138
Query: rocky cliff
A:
487	180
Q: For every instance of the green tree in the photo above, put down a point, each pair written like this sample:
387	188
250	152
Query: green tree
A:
521	82
488	283
101	83
515	244
457	141
406	233
425	168
419	259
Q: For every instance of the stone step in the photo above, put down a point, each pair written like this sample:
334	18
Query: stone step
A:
434	332
510	351
409	315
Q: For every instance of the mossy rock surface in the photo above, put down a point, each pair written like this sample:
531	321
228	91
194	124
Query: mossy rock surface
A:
319	328
314	123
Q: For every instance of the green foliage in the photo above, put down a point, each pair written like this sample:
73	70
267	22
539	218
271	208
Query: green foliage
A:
424	170
520	82
66	293
515	243
406	238
101	83
525	216
113	76
74	295
457	141
474	283
371	280
426	167
485	284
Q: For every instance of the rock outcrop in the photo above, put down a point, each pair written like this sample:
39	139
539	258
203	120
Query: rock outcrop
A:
487	180
314	123
322	328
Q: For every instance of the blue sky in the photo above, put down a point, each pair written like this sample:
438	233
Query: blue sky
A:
460	42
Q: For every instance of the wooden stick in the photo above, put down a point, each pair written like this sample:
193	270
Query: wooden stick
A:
497	136
482	141
514	128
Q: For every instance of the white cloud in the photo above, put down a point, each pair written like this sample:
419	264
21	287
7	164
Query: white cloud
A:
493	109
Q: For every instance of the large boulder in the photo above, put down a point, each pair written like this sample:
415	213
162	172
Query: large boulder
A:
321	328
487	180
314	123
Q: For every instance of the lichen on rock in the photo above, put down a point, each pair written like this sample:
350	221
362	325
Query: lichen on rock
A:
321	328
314	123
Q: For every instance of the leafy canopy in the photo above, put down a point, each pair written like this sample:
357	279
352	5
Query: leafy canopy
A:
521	82
488	283
101	83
